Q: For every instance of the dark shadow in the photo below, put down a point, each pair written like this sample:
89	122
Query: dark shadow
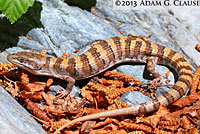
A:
9	33
83	4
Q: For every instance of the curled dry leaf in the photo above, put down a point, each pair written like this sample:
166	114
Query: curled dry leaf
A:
186	123
43	52
167	74
35	87
29	38
55	125
195	80
36	96
47	98
64	55
117	105
154	119
6	67
107	121
137	132
87	126
24	78
121	76
158	131
122	32
93	10
35	109
188	100
120	24
75	51
135	126
49	82
149	36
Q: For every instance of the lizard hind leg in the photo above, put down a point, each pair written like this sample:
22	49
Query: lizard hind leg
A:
151	64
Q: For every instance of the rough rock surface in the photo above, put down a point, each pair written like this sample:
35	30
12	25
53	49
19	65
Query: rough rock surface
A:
69	28
14	119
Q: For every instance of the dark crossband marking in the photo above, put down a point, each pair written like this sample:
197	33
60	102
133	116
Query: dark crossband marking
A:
47	62
156	103
170	55
177	61
186	81
148	50
142	108
71	68
127	47
98	61
57	64
137	47
169	97
179	89
183	66
107	48
160	51
117	42
86	68
186	73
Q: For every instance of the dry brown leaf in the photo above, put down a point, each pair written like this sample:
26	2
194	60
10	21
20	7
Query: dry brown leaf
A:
35	87
107	121
188	100
43	52
49	82
195	80
87	126
47	98
36	96
64	55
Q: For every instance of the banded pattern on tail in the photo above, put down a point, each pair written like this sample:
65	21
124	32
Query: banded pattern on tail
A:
105	54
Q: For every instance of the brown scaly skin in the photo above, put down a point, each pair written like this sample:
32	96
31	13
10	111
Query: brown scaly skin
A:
105	54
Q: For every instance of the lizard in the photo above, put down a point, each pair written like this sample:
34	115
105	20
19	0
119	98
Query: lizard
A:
105	54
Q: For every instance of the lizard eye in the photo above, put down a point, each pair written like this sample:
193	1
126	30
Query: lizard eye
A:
21	59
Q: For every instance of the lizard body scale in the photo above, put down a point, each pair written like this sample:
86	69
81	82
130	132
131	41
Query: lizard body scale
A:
105	54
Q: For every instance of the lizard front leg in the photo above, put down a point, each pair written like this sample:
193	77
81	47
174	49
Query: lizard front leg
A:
151	64
71	82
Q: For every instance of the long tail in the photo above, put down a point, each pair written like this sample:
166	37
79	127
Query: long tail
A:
168	57
112	113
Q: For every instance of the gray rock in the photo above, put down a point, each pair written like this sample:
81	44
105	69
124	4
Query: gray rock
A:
69	28
14	119
189	19
134	97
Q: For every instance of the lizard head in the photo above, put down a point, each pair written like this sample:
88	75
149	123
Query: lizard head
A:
32	62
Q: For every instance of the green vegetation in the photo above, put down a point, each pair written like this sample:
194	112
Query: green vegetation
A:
9	33
13	9
16	9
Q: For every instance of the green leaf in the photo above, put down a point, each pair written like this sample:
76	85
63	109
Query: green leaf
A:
13	9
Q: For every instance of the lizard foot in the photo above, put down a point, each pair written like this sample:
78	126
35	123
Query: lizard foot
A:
155	82
63	93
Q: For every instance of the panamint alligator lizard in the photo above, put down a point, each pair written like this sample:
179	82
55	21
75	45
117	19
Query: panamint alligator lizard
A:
105	54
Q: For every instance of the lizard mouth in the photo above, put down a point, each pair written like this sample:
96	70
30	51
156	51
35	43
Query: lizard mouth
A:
18	61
